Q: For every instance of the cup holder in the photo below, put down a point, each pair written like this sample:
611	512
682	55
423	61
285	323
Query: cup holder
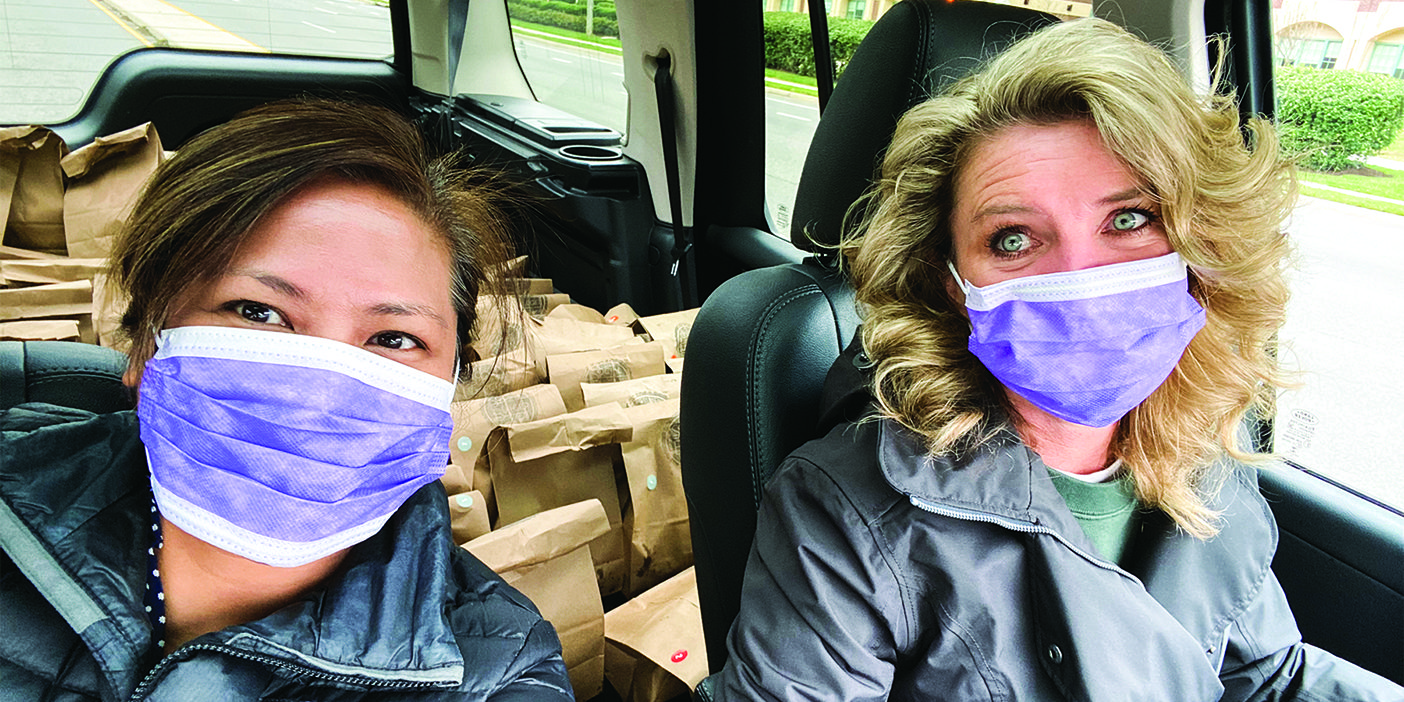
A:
590	153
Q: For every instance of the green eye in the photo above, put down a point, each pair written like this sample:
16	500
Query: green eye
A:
1129	220
1011	242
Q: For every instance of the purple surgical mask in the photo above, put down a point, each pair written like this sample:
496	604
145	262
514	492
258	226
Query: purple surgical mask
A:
1086	346
285	448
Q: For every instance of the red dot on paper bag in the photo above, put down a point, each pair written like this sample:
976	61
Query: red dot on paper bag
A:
614	318
679	655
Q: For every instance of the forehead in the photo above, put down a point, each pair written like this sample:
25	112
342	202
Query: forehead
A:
349	239
1074	147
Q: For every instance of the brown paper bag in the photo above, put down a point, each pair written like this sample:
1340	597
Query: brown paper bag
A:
499	375
629	393
538	306
12	253
622	315
533	286
654	646
457	479
31	188
558	335
655	518
671	329
547	558
52	300
51	270
502	326
468	516
579	313
473	420
567	371
105	178
108	306
40	330
558	461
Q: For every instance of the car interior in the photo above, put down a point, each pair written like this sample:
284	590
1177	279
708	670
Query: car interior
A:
672	215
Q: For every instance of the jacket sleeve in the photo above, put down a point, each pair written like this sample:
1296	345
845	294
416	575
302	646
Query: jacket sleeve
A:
1266	660
539	673
821	611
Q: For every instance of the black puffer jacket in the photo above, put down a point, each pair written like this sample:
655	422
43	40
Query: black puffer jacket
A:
407	617
879	572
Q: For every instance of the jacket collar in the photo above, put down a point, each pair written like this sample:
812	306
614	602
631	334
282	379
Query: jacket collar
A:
1007	480
1002	478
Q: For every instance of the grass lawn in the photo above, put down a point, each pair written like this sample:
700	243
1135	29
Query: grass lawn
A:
565	36
1345	199
1388	183
807	85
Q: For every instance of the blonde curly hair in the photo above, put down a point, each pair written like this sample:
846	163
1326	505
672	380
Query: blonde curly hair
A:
1222	203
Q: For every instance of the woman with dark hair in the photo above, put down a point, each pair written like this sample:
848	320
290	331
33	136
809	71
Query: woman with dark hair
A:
268	523
1070	278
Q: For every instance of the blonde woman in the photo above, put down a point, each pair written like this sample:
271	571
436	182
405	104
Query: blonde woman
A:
1070	278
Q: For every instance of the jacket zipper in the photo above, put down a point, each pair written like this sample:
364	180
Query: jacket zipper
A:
186	652
1016	525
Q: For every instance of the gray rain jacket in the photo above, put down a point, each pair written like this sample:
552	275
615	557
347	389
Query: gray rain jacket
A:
879	572
407	616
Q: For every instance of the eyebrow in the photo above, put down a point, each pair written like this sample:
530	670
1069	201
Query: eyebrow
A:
394	309
1127	195
400	309
277	283
1133	193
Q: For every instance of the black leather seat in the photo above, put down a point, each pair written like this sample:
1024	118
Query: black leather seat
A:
64	373
763	342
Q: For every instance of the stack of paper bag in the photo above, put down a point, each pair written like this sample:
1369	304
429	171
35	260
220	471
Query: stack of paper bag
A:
61	212
556	461
547	558
616	364
473	420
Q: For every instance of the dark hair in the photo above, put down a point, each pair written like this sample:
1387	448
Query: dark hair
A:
201	204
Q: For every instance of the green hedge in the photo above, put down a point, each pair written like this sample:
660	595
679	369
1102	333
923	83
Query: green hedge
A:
788	46
1333	118
566	15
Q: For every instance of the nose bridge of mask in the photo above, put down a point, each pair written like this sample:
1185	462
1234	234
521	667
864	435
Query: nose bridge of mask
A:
304	351
1065	286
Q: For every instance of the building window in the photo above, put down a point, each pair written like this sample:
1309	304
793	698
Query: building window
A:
856	9
1387	58
1321	53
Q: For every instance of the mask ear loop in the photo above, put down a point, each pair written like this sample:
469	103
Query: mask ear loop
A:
964	286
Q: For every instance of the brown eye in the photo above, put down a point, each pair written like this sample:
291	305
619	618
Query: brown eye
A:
258	313
396	340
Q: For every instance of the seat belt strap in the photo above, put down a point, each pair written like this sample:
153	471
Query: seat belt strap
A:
823	59
665	95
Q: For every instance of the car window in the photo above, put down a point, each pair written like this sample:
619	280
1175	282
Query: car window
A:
1344	324
791	102
571	57
56	49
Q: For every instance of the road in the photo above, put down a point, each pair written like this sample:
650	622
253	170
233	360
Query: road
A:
1346	319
